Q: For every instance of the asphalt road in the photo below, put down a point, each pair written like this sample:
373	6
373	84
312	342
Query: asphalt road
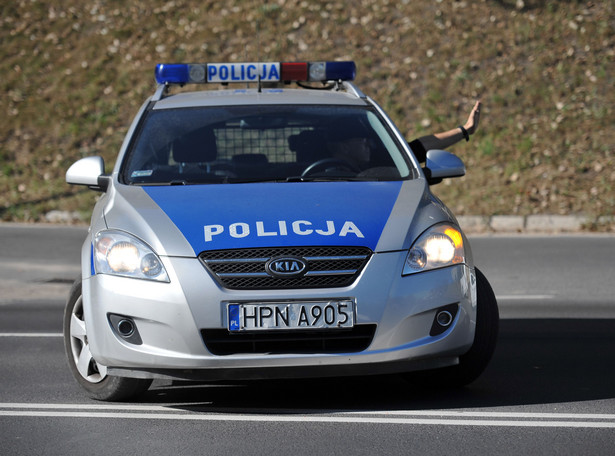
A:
550	388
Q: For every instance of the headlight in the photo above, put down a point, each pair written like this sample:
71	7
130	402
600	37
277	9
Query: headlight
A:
119	253
439	246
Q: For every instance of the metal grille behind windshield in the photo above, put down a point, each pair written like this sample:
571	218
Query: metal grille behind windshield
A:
263	143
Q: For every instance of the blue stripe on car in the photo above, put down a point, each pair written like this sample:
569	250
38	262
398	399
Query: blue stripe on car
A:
213	217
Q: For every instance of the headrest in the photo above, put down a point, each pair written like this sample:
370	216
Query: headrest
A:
307	138
197	146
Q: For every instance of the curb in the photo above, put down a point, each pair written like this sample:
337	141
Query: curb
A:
477	224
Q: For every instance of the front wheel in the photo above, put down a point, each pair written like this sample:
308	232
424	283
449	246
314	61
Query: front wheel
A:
474	362
90	375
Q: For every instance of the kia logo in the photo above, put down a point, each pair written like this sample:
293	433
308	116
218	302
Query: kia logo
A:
286	267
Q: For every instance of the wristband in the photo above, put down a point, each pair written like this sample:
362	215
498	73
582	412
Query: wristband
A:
464	132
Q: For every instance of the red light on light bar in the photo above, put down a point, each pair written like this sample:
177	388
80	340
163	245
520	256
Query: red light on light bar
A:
294	71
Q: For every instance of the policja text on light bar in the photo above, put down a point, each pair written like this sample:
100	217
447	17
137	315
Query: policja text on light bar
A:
199	73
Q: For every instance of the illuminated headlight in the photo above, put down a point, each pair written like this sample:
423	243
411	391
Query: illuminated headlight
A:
119	253
439	246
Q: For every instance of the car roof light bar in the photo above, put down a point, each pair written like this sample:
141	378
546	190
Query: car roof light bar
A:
200	73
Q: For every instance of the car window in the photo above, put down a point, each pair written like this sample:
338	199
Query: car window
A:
263	143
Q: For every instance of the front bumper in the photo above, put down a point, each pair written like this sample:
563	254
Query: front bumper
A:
170	316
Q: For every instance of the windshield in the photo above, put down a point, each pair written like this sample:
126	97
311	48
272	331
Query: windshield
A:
262	143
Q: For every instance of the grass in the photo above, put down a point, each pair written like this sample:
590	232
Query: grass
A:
75	73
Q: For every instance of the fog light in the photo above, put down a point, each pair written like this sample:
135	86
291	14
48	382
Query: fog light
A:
125	328
443	319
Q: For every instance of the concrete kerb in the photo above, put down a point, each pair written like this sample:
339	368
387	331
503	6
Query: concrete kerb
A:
534	224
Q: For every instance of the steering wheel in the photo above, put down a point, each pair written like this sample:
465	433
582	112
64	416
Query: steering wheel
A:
326	164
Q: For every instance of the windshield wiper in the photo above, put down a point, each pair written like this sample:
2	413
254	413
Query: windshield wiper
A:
328	179
159	183
298	179
261	180
255	180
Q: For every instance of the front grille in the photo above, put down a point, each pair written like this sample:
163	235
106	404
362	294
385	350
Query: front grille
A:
221	342
244	269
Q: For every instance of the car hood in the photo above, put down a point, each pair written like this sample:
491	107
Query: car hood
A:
187	220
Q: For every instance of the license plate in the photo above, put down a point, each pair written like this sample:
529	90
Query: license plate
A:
290	315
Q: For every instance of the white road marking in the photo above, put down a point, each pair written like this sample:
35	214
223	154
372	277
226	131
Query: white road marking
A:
524	297
30	334
403	417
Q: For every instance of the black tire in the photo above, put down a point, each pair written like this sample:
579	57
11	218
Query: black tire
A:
90	375
473	363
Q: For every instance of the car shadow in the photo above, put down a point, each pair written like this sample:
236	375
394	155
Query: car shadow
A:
537	361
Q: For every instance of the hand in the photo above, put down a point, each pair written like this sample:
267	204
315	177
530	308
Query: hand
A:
472	123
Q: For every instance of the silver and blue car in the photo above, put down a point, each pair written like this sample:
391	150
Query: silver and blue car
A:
271	232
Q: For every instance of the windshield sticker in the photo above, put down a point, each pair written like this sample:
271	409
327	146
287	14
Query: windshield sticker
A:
142	173
214	217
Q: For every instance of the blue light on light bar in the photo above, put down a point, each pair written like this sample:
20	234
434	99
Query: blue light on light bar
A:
171	73
336	71
185	73
180	73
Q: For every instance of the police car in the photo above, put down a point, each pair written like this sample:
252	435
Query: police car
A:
271	230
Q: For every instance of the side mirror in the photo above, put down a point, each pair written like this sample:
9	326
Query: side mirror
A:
88	171
441	164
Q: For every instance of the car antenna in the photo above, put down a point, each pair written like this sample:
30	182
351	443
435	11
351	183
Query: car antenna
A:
258	53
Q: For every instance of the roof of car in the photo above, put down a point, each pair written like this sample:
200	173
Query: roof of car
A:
236	97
